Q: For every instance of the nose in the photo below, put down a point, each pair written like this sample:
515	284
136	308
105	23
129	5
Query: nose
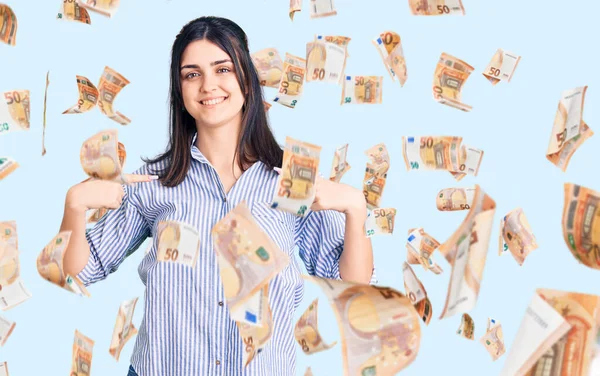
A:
209	83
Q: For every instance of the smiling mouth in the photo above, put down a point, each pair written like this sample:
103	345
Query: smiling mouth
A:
213	102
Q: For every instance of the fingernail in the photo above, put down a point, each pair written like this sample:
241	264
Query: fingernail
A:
153	177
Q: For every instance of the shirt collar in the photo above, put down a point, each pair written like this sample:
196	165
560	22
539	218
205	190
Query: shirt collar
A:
196	153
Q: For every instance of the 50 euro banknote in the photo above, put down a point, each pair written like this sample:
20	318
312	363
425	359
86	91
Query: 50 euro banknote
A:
569	131
295	187
362	90
449	78
581	224
14	111
436	7
441	153
326	58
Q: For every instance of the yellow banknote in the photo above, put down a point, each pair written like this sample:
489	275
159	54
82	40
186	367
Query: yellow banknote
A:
420	246
72	11
436	7
502	67
322	8
448	80
292	80
493	339
516	236
8	25
295	188
14	111
248	258
50	265
307	333
326	58
466	250
105	7
269	66
124	328
111	84
390	49
569	131
255	337
7	166
380	221
581	224
467	327
81	362
367	315
177	242
451	199
340	164
362	90
6	328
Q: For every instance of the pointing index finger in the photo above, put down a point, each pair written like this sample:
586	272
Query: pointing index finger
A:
139	178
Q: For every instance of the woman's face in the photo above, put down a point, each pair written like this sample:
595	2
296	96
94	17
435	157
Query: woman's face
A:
210	90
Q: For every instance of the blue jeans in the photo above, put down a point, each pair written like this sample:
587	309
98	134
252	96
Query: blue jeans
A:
131	372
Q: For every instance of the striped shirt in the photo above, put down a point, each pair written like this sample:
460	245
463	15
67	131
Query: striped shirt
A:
186	328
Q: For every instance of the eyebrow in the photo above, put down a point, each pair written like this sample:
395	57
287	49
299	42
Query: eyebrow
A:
195	66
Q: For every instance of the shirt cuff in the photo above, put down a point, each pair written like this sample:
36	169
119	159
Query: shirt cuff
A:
92	271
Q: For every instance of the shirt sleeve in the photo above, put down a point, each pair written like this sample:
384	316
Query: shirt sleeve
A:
114	237
320	239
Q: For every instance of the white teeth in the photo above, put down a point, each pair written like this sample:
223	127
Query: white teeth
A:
213	101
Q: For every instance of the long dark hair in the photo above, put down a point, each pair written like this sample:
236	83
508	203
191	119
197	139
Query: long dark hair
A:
256	142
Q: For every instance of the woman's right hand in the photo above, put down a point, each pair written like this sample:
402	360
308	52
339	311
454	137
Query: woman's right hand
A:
95	193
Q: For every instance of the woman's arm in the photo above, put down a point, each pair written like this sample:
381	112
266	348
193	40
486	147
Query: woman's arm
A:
356	261
78	250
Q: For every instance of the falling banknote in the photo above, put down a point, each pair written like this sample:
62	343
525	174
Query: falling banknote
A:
466	250
448	79
6	328
12	289
269	66
295	189
569	130
389	46
124	329
14	111
436	7
104	7
248	258
362	90
8	233
292	79
295	6
379	327
4	369
516	236
467	327
72	11
415	291
581	224
502	66
8	25
111	84
326	58
493	339
102	156
375	174
559	328
81	362
44	114
307	331
322	8
452	199
50	265
380	221
7	166
177	242
340	164
419	247
256	336
441	153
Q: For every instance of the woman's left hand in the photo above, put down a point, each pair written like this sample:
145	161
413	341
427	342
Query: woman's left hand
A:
338	196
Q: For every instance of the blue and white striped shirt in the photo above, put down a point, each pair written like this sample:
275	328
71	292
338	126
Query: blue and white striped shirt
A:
186	327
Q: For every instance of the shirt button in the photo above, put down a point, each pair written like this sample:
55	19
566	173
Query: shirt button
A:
218	362
221	304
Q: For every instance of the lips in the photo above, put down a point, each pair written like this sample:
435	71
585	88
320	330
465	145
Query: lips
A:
213	101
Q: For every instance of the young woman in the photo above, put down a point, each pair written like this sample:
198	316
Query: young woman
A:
221	151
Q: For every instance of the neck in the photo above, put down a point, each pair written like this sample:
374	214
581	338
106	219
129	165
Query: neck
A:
218	145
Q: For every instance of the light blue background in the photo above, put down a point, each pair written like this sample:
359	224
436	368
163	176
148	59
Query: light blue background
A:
510	122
